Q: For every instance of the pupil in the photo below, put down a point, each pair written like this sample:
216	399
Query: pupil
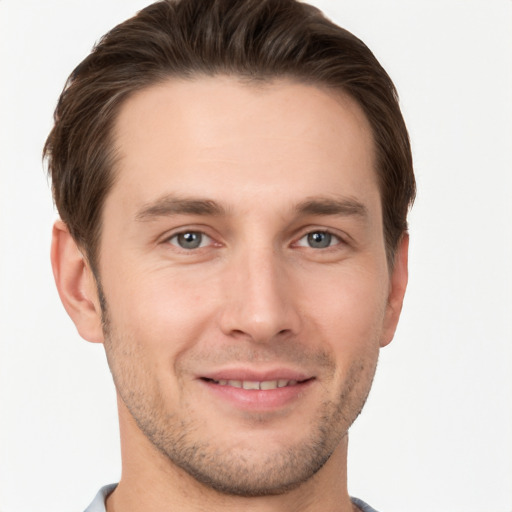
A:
190	240
319	240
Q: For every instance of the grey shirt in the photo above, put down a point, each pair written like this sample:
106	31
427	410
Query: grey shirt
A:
98	504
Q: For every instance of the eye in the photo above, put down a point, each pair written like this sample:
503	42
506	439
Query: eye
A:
190	240
318	240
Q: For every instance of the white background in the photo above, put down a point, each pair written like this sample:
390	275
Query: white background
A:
436	434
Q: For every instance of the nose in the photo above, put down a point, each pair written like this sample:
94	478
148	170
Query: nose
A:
260	300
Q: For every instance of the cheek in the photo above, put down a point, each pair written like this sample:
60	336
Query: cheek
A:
153	321
163	311
349	310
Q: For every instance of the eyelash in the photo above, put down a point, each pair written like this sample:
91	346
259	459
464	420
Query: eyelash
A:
331	237
201	234
205	240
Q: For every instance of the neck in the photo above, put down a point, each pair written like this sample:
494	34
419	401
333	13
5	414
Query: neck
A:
150	482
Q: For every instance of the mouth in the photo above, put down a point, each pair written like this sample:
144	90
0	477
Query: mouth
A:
258	393
256	385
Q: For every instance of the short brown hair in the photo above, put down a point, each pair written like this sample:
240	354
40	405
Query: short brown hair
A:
252	39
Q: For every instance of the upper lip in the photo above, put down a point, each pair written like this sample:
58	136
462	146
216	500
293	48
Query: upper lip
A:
253	375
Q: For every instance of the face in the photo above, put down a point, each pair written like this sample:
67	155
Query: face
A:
244	273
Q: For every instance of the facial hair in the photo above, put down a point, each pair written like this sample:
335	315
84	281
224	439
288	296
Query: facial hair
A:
234	470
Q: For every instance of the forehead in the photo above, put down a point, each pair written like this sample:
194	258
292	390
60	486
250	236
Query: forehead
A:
213	135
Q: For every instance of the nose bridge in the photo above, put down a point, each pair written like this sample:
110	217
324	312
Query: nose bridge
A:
259	303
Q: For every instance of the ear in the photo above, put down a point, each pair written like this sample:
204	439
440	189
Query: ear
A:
397	286
76	284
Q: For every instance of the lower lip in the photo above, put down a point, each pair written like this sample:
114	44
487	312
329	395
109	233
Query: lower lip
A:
259	400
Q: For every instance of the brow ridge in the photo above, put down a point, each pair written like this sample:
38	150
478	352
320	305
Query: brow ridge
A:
345	206
173	205
169	205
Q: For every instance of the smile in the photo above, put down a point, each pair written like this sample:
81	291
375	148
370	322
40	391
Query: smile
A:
255	385
258	393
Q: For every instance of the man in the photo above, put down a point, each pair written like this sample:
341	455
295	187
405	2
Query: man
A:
233	179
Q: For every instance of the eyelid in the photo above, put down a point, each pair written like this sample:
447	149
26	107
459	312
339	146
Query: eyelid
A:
341	236
203	230
213	240
205	240
335	238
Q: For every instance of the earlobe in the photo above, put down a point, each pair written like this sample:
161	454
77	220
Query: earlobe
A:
398	285
76	284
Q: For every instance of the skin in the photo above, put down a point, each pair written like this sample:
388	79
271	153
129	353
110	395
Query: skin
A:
290	277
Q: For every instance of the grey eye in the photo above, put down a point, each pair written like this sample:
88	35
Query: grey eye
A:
190	240
319	239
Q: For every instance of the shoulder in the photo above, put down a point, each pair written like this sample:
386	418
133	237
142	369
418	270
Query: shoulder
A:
98	504
364	507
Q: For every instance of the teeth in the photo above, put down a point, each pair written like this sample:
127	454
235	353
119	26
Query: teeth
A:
263	385
248	384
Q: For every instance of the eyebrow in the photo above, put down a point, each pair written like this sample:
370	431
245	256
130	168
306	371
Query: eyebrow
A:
328	206
172	205
169	205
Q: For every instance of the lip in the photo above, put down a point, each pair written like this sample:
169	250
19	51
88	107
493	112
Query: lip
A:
256	375
257	400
